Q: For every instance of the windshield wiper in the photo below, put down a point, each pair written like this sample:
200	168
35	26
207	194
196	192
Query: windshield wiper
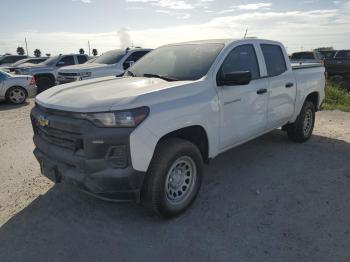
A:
166	78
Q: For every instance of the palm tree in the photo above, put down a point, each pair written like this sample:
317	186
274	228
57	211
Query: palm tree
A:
37	53
20	50
94	52
81	51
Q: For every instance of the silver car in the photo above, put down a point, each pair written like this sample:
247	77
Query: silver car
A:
16	89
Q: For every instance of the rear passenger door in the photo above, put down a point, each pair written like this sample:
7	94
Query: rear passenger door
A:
282	85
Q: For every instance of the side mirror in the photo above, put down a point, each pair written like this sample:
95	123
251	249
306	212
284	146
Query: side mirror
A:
128	64
234	78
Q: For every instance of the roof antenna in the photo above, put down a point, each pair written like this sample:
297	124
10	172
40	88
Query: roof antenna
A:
246	32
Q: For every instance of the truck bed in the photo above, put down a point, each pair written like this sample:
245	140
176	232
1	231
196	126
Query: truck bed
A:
297	66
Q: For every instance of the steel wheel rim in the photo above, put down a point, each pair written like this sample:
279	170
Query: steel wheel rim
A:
17	96
307	122
180	180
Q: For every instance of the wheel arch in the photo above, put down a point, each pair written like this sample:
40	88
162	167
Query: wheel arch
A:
313	97
195	134
48	75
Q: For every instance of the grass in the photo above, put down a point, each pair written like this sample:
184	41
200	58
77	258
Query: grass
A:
337	98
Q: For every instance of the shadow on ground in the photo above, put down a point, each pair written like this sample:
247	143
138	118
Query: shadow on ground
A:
268	200
4	106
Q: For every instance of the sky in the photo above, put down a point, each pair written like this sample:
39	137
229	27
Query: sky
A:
65	26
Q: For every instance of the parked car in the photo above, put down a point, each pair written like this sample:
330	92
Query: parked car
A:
329	54
16	89
10	59
45	73
111	63
24	62
339	65
307	57
145	136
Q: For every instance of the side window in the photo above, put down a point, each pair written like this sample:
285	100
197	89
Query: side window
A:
81	59
242	58
274	59
66	61
133	58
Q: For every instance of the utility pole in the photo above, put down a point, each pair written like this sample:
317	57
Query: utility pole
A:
25	40
246	32
89	46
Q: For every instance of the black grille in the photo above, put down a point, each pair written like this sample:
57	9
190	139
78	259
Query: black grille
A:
68	74
58	137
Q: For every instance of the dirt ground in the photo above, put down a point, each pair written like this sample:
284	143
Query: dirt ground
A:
267	200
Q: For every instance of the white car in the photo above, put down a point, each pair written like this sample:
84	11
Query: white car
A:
16	89
111	63
145	136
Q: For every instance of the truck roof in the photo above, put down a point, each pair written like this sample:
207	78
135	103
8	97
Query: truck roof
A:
224	41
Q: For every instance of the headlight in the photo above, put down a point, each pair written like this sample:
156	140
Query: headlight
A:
128	118
85	74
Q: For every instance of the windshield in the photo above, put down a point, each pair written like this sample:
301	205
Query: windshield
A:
178	62
110	57
50	62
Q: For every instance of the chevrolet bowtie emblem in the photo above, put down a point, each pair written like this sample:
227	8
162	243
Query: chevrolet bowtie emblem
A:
42	121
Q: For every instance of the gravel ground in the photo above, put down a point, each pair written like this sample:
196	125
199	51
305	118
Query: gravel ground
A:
267	200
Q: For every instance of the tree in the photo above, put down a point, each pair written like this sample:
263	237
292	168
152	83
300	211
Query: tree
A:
37	53
81	51
94	52
20	50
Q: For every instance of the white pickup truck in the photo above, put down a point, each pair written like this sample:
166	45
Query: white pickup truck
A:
146	135
111	63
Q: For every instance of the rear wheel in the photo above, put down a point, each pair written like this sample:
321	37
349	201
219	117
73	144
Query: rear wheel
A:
16	95
301	130
174	177
43	83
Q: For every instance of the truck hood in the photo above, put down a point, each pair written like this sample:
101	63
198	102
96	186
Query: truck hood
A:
109	93
82	68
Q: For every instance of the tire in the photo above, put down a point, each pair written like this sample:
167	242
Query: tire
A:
16	95
43	83
174	177
301	130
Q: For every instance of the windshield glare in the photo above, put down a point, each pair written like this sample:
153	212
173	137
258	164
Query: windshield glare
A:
180	62
110	57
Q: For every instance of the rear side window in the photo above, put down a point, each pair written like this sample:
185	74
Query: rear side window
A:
343	54
274	59
242	58
82	59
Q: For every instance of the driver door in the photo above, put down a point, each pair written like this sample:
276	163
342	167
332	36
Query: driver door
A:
244	107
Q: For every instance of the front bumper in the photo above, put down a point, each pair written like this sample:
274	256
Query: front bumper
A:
71	151
67	79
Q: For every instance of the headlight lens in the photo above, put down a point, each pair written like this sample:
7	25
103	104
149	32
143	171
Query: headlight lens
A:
128	118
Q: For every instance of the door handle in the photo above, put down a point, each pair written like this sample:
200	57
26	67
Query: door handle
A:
289	85
261	91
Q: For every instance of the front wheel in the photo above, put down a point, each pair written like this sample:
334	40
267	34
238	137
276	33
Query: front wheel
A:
301	130
174	177
16	95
